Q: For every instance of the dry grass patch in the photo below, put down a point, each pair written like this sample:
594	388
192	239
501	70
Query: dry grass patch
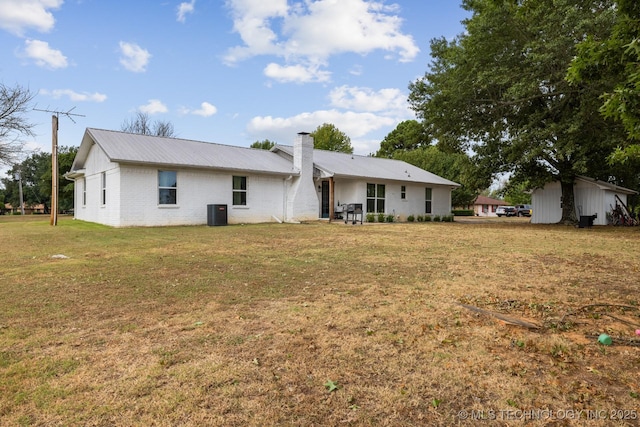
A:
316	324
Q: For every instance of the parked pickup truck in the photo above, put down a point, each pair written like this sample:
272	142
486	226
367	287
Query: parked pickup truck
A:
506	211
523	210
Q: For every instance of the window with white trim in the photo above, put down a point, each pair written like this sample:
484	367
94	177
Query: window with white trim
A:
375	198
403	192
104	188
84	191
239	191
167	187
427	200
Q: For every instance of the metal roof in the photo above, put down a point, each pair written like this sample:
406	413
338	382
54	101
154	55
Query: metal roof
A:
345	165
122	147
606	185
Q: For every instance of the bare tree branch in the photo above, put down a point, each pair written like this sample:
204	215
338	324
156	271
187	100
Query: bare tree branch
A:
141	124
14	104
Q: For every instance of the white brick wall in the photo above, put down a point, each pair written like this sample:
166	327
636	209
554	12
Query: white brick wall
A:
355	191
94	210
196	189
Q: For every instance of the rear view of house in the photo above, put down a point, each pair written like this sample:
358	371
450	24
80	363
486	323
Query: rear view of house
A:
124	179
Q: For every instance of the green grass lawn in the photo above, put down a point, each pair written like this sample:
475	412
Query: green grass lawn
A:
317	324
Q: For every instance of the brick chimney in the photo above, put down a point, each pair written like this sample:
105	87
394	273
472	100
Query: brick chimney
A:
303	203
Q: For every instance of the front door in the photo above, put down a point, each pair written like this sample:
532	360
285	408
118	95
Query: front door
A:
325	199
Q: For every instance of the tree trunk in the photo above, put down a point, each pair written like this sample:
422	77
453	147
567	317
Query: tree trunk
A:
568	203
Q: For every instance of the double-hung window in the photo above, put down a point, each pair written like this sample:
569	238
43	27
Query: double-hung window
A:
375	198
427	202
84	191
403	192
167	187
239	191
104	188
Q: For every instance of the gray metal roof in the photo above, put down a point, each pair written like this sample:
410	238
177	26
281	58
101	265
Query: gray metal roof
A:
344	165
606	185
124	147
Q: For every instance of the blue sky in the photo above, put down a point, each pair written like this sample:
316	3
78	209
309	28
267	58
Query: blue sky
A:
231	72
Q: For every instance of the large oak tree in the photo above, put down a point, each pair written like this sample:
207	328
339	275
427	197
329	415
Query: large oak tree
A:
617	59
500	89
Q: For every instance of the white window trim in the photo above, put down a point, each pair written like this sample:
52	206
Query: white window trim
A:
83	195
167	205
103	189
376	198
245	191
430	200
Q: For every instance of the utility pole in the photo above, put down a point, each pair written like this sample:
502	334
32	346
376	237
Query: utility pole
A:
54	170
54	159
19	178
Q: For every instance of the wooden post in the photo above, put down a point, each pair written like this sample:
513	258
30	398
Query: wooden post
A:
19	174
54	170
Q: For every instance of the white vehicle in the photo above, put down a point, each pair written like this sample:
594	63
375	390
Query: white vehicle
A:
506	211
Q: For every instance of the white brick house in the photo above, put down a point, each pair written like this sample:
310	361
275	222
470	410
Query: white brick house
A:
124	179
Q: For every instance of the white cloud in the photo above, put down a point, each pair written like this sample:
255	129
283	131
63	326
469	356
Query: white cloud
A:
16	16
359	127
154	106
134	58
361	113
391	100
316	30
43	55
355	125
251	19
296	73
75	96
205	110
185	8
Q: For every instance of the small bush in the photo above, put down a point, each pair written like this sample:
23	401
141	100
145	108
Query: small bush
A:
420	218
427	218
447	218
371	217
436	218
462	212
381	217
390	218
411	218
